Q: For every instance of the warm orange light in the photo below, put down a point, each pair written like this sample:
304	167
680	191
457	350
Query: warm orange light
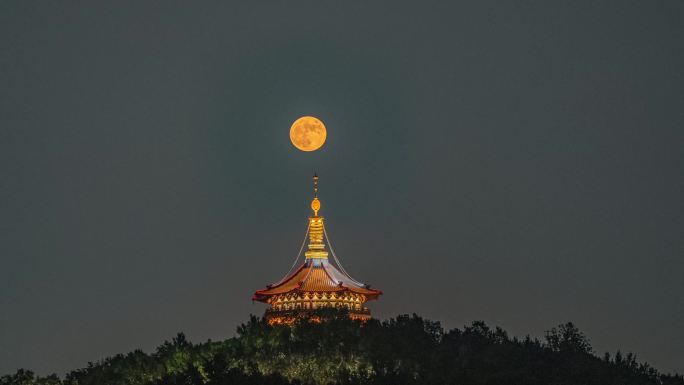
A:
315	206
308	133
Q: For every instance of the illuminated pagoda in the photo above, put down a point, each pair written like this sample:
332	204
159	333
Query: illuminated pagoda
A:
318	283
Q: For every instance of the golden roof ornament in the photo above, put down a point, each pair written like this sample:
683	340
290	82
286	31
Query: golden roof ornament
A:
316	230
315	203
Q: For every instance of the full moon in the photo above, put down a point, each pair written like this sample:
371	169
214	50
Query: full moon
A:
308	133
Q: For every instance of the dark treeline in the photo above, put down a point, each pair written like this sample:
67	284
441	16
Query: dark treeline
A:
402	350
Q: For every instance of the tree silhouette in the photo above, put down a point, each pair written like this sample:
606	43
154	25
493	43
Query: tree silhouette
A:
568	338
333	349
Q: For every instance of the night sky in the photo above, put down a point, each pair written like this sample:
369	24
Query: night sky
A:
516	162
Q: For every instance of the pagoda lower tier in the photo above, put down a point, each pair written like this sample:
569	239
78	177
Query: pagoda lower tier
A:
316	284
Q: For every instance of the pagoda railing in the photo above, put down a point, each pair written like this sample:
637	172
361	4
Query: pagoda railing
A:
300	312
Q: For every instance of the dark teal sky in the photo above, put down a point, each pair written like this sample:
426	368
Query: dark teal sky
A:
519	163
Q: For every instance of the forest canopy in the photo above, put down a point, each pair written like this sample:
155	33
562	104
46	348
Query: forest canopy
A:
401	350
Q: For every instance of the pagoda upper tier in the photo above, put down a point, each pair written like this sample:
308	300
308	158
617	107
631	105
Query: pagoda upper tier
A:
317	283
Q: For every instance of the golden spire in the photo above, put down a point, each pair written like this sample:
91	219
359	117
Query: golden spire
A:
315	203
316	243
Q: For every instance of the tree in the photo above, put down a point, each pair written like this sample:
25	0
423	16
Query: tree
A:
567	338
335	350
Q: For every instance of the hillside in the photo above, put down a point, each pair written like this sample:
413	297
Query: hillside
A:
401	350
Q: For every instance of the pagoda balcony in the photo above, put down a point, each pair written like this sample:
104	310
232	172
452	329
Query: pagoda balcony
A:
290	315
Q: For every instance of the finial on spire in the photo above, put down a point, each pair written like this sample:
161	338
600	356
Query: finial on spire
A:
315	203
315	182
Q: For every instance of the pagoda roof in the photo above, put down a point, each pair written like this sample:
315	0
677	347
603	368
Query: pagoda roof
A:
316	275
